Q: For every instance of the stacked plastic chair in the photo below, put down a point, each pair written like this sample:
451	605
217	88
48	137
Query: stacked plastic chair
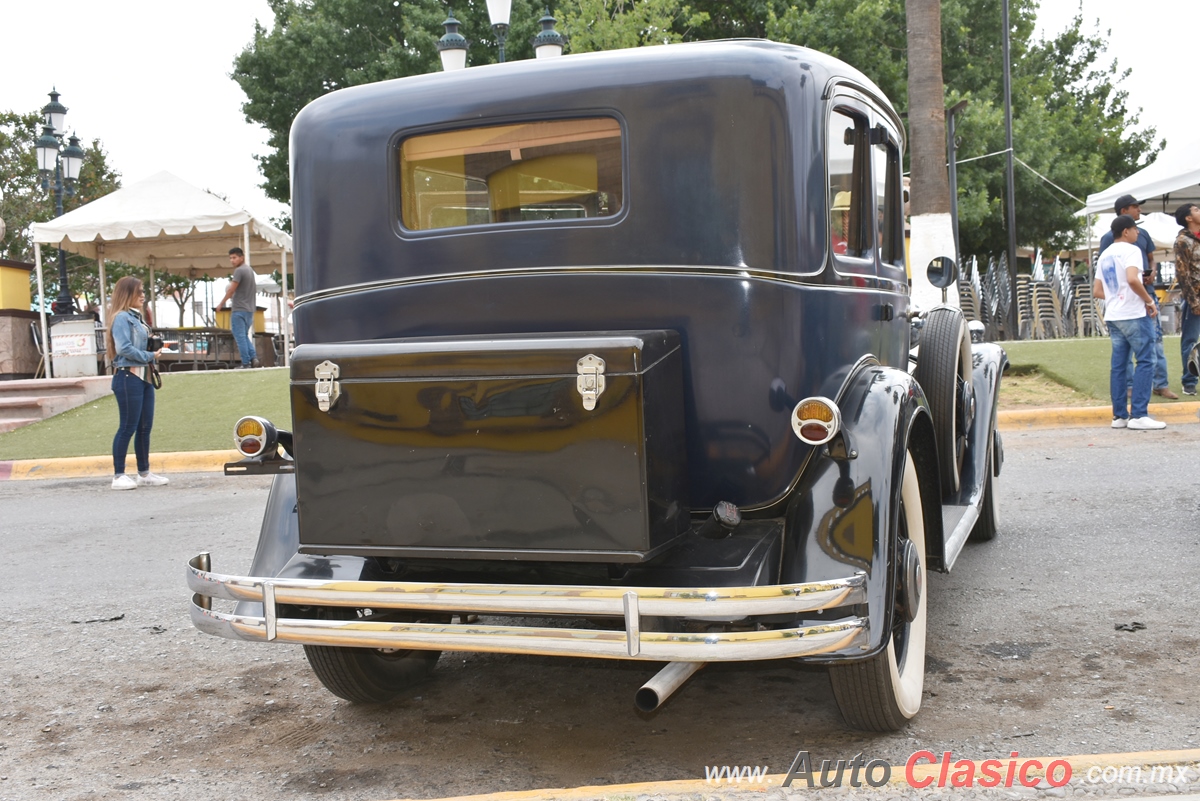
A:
1088	321
1065	291
1046	311
968	301
1025	317
997	294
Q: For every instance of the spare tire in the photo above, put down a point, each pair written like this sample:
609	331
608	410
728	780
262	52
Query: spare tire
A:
944	372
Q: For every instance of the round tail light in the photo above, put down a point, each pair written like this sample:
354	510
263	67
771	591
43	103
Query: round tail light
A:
815	420
254	436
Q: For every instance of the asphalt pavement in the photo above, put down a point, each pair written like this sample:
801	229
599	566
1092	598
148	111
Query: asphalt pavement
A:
111	688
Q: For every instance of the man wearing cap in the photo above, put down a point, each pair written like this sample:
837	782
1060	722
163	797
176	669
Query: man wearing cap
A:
1187	273
1131	206
1129	313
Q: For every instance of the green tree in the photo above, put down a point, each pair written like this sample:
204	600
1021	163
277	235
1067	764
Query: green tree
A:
869	35
1070	122
316	46
178	288
22	199
733	19
593	25
25	202
1072	129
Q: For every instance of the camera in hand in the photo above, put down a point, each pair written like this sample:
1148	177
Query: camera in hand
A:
154	343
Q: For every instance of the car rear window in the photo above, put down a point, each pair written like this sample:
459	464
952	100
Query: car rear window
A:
566	169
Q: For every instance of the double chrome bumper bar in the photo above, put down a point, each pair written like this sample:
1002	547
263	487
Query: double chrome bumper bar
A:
628	603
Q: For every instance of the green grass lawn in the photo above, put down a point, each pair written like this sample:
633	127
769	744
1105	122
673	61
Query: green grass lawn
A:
1083	364
192	412
196	411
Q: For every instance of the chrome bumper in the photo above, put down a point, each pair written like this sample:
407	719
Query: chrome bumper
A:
629	603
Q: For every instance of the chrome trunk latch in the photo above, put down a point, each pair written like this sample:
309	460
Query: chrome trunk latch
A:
327	386
591	379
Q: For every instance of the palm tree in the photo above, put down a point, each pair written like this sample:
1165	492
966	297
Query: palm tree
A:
931	232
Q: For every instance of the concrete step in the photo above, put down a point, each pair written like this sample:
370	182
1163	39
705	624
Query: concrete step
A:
17	408
14	424
90	387
28	401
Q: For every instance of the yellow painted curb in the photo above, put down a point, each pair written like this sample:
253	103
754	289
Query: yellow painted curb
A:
98	466
705	788
1081	416
214	461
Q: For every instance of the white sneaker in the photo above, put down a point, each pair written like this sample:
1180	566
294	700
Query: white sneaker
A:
151	480
1120	422
1146	424
124	482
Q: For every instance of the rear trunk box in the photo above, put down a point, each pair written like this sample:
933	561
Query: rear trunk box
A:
482	448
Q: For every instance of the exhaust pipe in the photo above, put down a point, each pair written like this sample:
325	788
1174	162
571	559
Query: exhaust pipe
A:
654	692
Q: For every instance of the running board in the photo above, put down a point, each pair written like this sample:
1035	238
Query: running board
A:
958	521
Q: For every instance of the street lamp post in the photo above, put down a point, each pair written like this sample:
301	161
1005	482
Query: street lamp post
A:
549	42
952	160
452	47
498	11
65	164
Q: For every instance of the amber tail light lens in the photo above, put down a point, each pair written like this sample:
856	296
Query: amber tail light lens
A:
815	420
254	436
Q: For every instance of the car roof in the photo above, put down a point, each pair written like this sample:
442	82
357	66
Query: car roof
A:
488	89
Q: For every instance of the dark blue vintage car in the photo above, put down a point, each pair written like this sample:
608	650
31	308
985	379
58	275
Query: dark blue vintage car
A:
612	355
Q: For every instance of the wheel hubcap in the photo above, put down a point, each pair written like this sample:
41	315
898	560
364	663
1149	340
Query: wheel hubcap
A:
910	582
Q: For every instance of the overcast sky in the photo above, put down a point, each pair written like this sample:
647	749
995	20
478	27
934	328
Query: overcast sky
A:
150	79
1153	39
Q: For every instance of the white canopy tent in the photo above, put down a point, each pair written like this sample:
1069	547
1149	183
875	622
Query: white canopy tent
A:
1173	179
164	223
1162	228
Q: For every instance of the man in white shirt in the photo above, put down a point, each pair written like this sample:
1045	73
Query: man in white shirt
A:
1128	312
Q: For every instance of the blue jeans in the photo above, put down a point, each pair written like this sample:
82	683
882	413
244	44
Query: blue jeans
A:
1189	328
241	321
1161	380
1131	337
135	405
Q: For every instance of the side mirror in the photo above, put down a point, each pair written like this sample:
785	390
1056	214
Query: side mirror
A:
942	272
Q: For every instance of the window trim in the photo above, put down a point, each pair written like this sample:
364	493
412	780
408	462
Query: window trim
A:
892	145
396	192
861	112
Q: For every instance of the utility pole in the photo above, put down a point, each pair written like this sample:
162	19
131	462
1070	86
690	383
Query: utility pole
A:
1009	178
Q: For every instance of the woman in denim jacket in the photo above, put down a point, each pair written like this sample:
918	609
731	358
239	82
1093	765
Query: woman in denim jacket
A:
126	342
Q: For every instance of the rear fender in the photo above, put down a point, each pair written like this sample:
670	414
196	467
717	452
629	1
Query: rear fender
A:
841	516
279	537
278	552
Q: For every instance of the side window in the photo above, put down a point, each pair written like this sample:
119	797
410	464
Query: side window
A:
889	204
851	201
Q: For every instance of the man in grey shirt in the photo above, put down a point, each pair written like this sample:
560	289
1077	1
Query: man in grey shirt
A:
242	288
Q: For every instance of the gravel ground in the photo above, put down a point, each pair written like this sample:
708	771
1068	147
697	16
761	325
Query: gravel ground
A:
106	691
